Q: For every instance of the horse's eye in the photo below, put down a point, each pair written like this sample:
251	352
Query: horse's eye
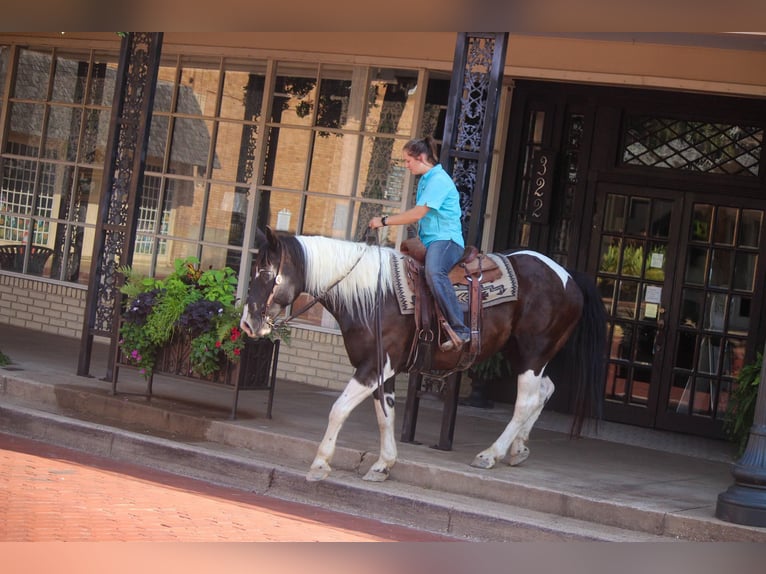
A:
266	274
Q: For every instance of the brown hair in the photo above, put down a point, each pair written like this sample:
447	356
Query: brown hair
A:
426	145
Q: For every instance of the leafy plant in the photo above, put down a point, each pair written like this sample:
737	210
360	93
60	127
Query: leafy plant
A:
4	359
741	409
493	367
200	305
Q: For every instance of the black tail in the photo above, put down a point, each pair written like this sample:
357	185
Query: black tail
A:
585	355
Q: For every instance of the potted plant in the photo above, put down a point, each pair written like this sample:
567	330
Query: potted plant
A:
740	412
188	321
483	375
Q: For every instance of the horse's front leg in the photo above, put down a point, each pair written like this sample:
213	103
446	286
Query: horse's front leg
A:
519	449
353	394
379	471
528	401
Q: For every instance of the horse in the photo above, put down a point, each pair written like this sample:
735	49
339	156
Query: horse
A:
353	281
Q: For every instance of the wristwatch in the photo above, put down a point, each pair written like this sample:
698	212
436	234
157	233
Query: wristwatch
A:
383	220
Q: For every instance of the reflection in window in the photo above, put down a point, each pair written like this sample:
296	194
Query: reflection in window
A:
706	147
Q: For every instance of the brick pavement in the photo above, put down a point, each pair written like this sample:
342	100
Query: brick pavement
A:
53	494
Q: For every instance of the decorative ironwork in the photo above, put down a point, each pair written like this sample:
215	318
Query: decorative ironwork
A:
692	145
115	232
471	121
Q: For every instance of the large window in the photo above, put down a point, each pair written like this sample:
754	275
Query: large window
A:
317	147
52	156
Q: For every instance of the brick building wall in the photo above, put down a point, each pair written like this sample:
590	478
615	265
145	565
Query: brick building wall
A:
312	357
42	306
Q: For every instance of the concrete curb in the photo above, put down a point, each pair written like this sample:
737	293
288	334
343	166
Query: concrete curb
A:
449	499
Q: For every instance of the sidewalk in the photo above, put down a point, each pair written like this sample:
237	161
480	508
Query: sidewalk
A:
625	484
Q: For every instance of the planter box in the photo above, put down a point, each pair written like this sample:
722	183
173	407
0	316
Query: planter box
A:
256	369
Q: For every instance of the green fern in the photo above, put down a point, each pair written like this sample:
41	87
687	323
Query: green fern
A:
741	409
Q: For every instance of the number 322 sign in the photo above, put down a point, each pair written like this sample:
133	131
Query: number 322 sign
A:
541	186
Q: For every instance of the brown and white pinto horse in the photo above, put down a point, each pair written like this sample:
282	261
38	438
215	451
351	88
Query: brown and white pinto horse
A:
553	307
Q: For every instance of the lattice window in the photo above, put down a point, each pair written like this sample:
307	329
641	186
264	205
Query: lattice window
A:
17	195
148	212
692	145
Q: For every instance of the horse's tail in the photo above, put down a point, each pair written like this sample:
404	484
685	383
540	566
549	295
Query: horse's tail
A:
585	353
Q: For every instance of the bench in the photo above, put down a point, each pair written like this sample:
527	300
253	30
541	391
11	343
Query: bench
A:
12	258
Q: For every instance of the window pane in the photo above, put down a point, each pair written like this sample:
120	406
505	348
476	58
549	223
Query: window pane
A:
615	213
226	210
750	228
4	56
26	126
63	133
333	163
175	250
198	88
243	92
235	152
219	257
289	151
32	75
183	204
726	223
103	75
382	174
283	208
692	145
70	78
294	95
93	147
702	223
334	97
390	102
191	145
326	216
18	185
744	271
435	111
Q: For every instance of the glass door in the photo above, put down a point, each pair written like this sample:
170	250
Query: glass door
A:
717	276
635	249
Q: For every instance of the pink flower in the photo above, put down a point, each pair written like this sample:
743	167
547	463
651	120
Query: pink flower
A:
236	351
218	344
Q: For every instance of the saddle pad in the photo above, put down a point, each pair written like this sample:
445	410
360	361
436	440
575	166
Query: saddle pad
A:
503	290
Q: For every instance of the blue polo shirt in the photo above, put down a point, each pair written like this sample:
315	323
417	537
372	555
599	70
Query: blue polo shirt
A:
437	191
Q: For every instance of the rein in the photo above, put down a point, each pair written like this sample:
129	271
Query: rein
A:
310	304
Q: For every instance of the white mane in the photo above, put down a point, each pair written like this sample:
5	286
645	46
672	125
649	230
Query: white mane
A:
329	260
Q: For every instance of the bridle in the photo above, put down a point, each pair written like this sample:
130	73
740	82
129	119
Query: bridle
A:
317	298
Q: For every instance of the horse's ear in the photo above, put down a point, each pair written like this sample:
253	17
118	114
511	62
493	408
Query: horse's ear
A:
272	238
260	238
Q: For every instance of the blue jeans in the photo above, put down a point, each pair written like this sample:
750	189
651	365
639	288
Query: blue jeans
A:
441	256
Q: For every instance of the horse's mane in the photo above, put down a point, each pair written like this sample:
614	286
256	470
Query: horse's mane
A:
356	265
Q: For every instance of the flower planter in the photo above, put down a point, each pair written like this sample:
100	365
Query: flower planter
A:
256	369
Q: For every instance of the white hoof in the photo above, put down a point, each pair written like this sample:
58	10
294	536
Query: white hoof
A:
376	475
519	457
483	460
317	474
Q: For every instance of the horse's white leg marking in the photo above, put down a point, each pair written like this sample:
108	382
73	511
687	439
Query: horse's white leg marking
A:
353	394
519	450
379	471
528	401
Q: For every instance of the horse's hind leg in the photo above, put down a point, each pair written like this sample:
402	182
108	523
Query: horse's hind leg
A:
519	450
379	471
529	400
353	394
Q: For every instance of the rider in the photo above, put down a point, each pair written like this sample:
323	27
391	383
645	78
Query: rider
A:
437	209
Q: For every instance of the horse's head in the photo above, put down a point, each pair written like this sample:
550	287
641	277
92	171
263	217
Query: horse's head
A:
272	285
